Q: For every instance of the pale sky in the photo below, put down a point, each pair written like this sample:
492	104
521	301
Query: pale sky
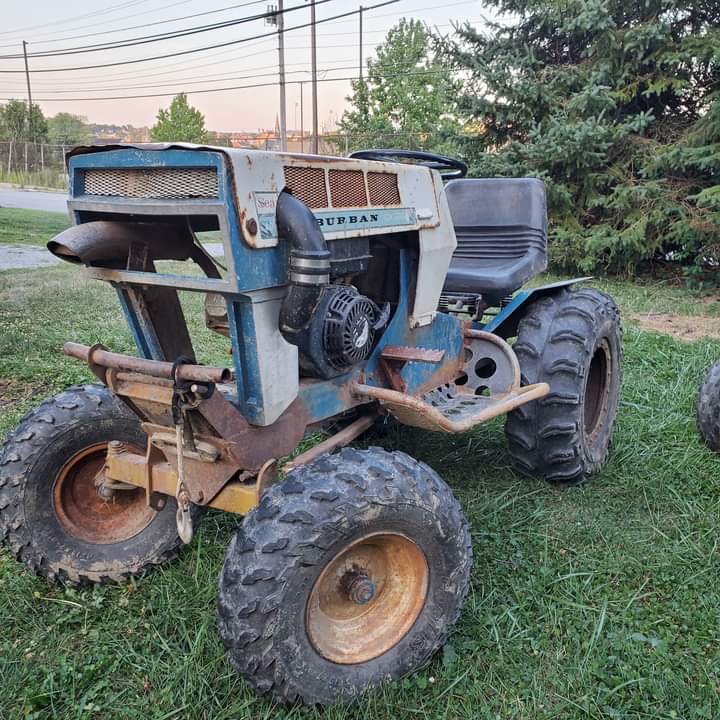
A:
50	25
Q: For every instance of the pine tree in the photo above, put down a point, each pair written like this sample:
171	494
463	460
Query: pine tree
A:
616	105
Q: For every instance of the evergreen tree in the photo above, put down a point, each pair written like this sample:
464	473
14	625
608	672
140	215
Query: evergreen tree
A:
181	122
404	100
616	105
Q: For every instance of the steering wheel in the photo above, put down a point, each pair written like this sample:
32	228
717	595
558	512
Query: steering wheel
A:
449	168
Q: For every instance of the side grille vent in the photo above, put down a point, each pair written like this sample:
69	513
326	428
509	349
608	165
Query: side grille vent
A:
307	184
347	188
383	188
155	183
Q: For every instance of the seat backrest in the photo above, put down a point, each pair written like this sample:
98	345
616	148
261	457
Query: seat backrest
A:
498	203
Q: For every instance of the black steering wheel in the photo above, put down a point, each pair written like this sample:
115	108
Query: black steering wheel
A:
449	168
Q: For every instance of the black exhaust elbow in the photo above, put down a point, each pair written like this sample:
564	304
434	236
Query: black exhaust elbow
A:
309	270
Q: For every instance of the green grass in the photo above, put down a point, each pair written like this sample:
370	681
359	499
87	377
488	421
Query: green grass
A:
35	178
593	602
30	227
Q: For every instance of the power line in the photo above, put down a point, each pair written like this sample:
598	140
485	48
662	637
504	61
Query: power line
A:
104	22
146	24
75	17
208	47
226	89
158	37
224	76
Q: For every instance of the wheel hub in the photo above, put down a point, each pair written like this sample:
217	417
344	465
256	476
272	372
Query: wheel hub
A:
597	391
367	598
84	513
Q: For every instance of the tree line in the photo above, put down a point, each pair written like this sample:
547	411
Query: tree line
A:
614	104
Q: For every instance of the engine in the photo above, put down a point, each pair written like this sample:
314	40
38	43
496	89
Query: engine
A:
333	326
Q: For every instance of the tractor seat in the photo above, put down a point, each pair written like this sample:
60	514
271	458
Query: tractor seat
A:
501	230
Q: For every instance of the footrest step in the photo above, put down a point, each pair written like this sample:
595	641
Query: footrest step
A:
450	408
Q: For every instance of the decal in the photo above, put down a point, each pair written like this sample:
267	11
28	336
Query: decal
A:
334	221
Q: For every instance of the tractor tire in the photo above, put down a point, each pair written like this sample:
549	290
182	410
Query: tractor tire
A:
51	516
349	573
708	408
573	342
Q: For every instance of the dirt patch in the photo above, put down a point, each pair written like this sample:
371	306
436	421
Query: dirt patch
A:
14	392
682	327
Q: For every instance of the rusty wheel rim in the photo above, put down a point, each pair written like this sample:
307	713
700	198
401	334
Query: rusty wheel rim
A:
597	391
367	598
84	514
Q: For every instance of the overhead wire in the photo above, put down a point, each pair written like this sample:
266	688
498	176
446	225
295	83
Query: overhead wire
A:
226	89
157	37
208	47
167	21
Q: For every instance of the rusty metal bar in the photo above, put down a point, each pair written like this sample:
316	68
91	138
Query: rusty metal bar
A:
415	409
98	356
345	436
410	354
126	465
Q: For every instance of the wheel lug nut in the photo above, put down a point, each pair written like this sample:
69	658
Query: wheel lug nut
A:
362	590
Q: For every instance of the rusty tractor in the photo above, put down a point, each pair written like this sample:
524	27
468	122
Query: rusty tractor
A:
386	284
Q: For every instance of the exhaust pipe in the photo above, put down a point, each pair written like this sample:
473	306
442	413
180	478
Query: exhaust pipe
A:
309	269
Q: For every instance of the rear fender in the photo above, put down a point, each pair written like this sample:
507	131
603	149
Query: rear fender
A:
505	323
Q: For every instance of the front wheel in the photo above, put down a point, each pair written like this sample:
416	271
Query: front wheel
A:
573	342
349	573
51	515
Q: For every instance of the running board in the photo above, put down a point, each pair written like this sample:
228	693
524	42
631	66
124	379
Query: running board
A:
450	408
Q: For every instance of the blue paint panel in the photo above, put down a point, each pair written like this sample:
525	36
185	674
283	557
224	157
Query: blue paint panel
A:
245	359
255	268
325	398
444	333
143	340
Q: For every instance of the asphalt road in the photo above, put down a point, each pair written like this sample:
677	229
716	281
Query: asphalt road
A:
33	200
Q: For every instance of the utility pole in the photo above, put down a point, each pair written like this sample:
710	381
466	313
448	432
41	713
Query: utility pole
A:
277	17
360	14
30	102
302	117
313	50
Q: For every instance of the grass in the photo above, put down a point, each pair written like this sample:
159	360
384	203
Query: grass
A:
593	602
30	227
35	178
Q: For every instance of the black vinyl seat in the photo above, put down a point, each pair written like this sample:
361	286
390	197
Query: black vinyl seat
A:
501	230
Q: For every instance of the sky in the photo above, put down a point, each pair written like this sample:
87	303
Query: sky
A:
75	23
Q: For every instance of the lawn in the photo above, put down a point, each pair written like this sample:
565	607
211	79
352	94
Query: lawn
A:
592	602
30	227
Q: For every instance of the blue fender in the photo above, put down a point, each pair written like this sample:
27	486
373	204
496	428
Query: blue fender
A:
505	323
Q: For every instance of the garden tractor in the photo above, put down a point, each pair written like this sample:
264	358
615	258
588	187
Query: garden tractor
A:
351	290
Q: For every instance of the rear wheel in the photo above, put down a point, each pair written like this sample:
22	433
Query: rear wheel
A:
51	514
708	408
573	342
349	573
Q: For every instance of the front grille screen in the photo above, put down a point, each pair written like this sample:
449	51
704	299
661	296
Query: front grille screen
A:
156	183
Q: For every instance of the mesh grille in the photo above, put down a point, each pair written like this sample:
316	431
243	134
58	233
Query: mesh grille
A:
383	188
347	188
153	182
307	185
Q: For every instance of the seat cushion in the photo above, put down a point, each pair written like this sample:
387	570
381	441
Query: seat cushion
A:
501	230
